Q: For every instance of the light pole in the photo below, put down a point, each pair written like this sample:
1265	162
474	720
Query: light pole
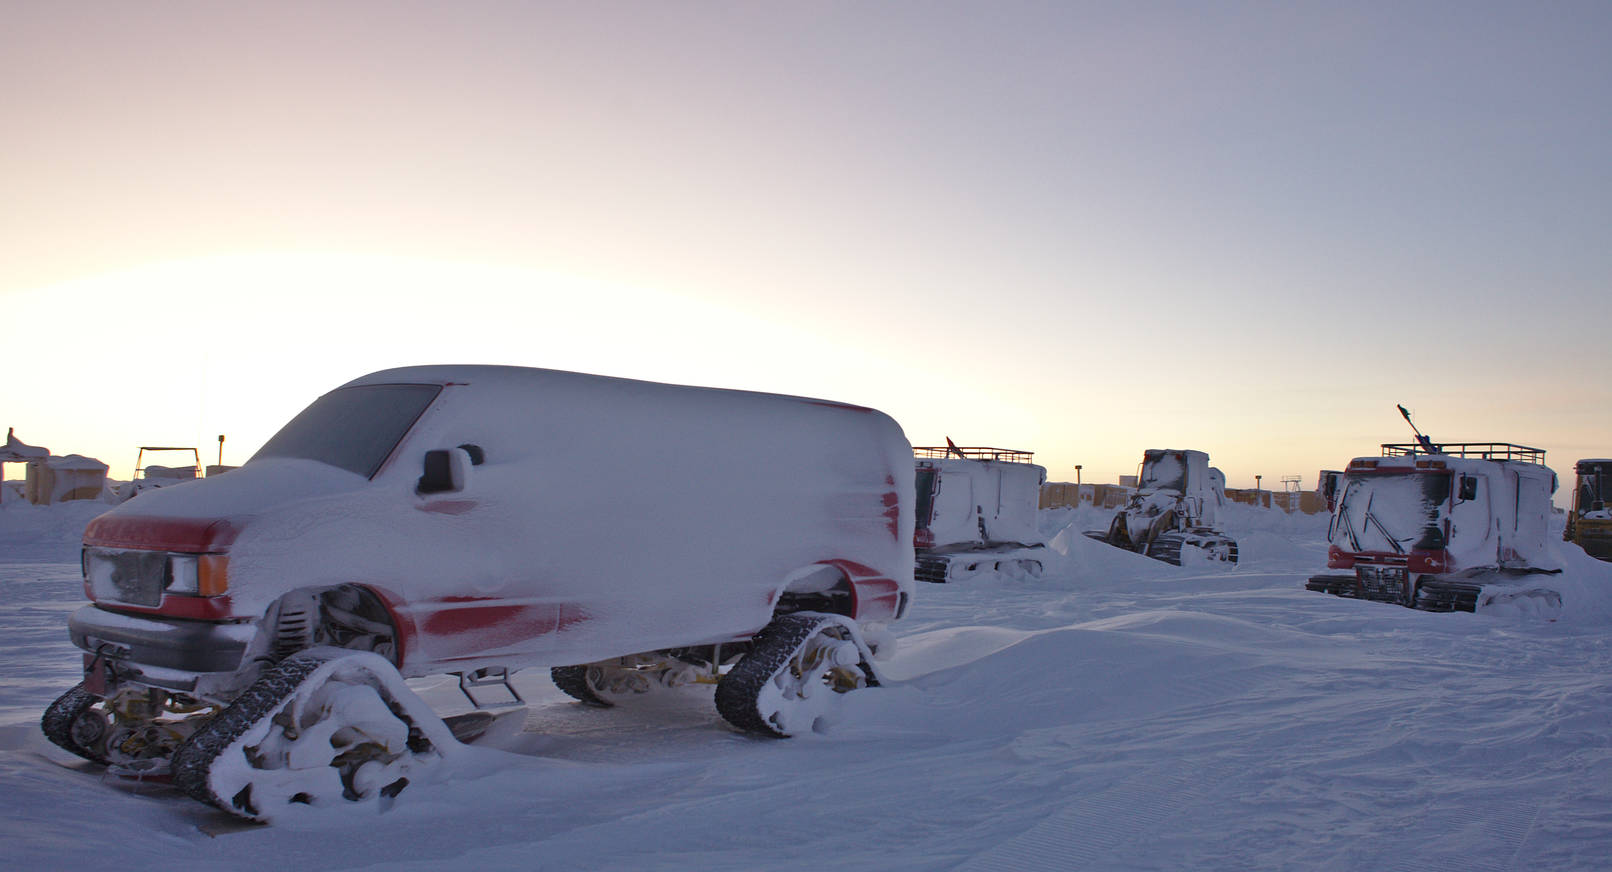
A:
1256	488
1077	475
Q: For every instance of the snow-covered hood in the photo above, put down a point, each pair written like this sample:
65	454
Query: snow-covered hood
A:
207	515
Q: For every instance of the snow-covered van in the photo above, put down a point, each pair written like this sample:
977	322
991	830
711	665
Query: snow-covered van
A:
976	511
477	520
1451	527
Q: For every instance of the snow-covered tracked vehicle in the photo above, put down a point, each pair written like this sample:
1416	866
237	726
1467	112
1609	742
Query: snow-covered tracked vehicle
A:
976	512
250	634
1589	521
1451	527
1173	511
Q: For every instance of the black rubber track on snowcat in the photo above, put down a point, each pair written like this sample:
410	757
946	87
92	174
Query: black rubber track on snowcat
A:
932	569
1167	547
1436	595
1337	585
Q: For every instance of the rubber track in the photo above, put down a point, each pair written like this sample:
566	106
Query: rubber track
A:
573	681
1337	585
1167	547
1447	596
771	650
191	762
932	569
57	723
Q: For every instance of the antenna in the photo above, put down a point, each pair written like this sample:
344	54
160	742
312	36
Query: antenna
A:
1426	443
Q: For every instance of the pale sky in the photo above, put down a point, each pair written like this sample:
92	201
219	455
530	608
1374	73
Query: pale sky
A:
1082	229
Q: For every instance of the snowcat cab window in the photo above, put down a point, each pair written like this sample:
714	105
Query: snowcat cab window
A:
1395	512
352	428
1165	472
926	496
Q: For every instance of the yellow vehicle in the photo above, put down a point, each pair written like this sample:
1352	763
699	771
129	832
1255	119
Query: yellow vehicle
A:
1589	521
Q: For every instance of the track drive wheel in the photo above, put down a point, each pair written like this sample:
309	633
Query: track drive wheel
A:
794	678
319	728
75	722
133	732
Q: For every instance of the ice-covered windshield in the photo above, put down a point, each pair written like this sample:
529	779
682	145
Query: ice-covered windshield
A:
1163	472
352	428
1593	484
1392	512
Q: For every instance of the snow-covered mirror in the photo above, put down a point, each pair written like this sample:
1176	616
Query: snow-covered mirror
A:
445	470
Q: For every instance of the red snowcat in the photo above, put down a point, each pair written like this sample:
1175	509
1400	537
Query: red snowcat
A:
1443	527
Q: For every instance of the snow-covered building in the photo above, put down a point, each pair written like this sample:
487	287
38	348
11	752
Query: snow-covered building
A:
16	451
50	479
60	479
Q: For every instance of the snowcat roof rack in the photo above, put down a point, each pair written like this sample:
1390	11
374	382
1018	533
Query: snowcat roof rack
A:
968	452
1480	450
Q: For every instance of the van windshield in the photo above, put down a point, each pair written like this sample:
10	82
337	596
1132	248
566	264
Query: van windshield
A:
1392	512
352	428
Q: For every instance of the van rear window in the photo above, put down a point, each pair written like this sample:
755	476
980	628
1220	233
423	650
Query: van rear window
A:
352	428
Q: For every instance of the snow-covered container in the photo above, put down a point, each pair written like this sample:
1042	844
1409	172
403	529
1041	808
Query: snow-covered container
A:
16	451
479	519
62	479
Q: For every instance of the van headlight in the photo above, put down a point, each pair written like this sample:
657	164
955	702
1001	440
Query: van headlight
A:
198	574
182	574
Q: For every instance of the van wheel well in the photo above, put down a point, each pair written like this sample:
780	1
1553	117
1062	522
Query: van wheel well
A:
344	616
819	588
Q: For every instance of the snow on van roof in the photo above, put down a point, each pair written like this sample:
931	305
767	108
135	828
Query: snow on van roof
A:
512	376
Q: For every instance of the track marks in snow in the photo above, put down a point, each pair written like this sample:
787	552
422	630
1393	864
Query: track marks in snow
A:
1492	835
1094	828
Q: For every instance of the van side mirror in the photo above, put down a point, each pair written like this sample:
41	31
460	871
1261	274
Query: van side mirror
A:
445	470
1469	488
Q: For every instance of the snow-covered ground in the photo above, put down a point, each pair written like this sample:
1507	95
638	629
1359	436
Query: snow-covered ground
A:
1116	713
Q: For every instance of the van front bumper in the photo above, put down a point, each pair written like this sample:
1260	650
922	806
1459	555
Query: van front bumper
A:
174	654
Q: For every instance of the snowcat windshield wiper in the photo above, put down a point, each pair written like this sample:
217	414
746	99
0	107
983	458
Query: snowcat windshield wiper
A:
1349	526
1369	518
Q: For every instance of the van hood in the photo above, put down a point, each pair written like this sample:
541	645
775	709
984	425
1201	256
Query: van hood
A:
206	515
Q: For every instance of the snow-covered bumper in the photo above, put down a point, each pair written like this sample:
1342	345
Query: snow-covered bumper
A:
173	654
